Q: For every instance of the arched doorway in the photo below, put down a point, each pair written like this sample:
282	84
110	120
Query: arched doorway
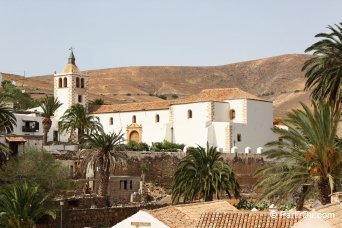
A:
134	132
134	136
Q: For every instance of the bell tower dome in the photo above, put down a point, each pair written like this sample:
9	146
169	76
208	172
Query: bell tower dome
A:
70	86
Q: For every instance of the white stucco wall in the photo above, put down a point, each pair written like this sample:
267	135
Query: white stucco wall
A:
219	136
141	217
36	117
221	111
191	132
152	131
238	106
260	122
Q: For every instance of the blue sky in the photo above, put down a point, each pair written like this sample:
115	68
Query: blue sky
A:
35	35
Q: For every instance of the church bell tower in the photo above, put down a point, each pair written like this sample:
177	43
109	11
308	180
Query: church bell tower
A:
70	86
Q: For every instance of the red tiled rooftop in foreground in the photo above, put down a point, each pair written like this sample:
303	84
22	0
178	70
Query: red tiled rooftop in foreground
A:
18	139
203	96
245	220
187	215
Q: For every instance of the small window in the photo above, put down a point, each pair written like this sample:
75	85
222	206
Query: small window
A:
60	83
189	114
65	82
157	118
55	136
80	98
232	114
77	82
239	137
111	121
130	184
134	119
82	82
123	184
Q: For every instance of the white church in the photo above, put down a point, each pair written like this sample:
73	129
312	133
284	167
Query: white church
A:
228	118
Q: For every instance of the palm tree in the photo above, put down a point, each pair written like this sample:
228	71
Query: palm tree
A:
21	205
324	70
7	118
7	123
77	118
201	174
307	154
104	157
49	106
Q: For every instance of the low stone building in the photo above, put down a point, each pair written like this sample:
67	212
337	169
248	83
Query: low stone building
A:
121	188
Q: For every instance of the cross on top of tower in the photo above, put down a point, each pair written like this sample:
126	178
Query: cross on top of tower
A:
71	58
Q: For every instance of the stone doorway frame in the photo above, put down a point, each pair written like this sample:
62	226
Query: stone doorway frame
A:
134	127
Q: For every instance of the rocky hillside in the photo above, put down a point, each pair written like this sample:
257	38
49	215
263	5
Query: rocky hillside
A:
279	79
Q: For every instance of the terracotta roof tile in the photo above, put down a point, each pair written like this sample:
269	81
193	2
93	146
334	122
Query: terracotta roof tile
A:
245	219
159	105
334	218
204	96
188	215
15	139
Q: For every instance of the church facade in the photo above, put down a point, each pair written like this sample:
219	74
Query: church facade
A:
228	118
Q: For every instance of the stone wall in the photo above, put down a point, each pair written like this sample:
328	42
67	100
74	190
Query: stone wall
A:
99	217
162	166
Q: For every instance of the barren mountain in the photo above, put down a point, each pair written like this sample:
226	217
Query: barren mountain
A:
279	79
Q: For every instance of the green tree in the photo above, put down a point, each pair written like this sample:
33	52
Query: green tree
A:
7	123
7	118
324	70
77	118
201	174
21	205
49	106
97	101
20	99
104	157
40	167
306	155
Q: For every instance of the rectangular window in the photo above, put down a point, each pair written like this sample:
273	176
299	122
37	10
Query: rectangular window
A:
123	184
80	98
55	136
239	137
130	184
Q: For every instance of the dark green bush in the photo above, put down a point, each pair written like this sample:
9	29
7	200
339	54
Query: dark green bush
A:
249	204
167	146
133	146
174	96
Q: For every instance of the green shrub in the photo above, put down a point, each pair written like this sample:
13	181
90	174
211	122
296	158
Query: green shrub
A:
249	204
132	146
167	146
174	96
36	166
162	96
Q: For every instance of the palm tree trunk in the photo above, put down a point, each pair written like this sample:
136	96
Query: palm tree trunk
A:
46	127
79	134
102	190
208	197
103	175
324	190
301	200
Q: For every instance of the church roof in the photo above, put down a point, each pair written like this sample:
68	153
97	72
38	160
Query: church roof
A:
158	105
206	95
71	67
219	95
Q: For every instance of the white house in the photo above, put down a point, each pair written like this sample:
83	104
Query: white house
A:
228	118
